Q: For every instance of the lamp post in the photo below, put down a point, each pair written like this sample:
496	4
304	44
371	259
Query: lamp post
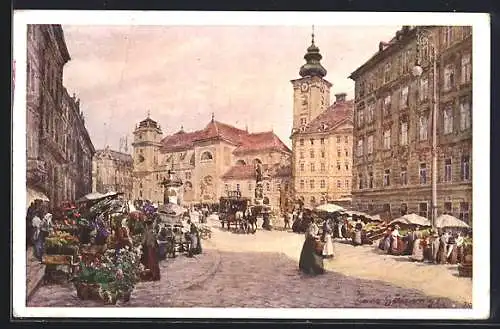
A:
425	38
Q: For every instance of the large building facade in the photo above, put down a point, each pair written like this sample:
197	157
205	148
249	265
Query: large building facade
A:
393	122
210	161
321	136
112	172
58	147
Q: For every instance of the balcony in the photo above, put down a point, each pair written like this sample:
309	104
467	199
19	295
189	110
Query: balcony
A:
36	173
54	147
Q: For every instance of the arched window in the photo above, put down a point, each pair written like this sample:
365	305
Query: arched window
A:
140	185
192	160
241	162
206	156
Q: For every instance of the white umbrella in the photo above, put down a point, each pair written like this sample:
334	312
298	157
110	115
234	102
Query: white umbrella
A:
450	221
329	207
412	219
32	195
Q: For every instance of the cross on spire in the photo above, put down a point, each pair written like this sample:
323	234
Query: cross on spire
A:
149	113
312	35
213	116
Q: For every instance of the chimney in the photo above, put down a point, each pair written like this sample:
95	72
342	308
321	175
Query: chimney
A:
340	97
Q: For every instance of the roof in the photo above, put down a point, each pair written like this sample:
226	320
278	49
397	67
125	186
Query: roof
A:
329	119
215	130
244	172
114	155
261	141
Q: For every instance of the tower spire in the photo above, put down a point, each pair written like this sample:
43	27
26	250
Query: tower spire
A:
313	66
312	35
213	116
149	113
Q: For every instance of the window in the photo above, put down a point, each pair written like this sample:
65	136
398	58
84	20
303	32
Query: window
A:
302	184
322	141
424	89
464	212
403	101
250	186
322	183
404	176
387	105
387	72
448	120
346	166
237	187
423	173
346	152
466	72
370	179
449	77
301	154
360	117
339	153
322	154
312	167
447	208
206	156
360	181
268	187
360	148
302	167
447	170
278	187
346	183
465	168
422	209
301	142
303	121
339	184
387	178
188	175
322	166
448	35
311	183
404	209
369	145
338	165
346	139
312	141
226	187
404	133
387	139
423	127
311	153
338	139
370	111
465	114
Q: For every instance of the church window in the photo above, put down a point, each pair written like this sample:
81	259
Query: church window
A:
206	156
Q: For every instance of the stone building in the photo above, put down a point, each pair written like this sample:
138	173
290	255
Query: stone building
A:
58	146
112	172
393	120
321	136
206	160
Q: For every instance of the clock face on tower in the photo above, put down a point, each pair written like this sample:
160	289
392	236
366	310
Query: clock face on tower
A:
304	86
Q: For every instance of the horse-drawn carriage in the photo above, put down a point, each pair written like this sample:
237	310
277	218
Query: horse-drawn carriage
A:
235	212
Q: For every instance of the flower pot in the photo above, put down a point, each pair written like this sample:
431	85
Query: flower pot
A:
86	291
125	295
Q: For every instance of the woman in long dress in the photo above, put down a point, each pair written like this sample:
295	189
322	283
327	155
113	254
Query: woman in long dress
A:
417	254
328	251
195	246
150	252
310	262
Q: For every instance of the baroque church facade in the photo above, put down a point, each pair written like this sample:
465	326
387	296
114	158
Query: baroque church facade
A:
210	162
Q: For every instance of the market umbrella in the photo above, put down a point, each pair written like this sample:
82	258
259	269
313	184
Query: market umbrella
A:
329	207
32	195
450	221
411	219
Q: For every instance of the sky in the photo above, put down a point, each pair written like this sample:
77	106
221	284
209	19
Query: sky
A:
181	75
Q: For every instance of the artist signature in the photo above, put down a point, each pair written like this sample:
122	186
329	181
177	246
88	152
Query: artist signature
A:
402	300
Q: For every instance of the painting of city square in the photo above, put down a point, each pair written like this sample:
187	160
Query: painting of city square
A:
248	166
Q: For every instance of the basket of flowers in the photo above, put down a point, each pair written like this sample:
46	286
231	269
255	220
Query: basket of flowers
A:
61	243
109	278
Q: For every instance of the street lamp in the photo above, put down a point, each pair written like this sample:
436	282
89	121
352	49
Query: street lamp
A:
425	39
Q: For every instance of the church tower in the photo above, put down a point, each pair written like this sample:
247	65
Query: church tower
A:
146	152
311	92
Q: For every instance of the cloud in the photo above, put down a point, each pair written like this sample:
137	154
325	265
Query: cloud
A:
183	74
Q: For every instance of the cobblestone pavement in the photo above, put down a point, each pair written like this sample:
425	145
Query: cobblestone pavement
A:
34	272
261	270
